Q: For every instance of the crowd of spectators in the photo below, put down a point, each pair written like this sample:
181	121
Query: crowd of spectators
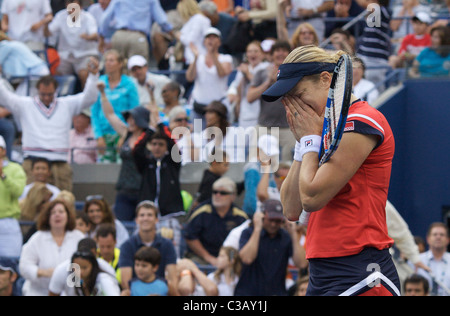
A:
162	84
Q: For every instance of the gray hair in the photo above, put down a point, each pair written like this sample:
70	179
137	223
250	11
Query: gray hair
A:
226	183
175	112
208	6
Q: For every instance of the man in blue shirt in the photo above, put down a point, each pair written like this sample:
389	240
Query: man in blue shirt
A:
133	20
146	220
265	249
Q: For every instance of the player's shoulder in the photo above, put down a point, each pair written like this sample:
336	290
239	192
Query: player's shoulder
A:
361	111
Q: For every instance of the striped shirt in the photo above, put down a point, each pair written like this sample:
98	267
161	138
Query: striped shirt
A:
376	39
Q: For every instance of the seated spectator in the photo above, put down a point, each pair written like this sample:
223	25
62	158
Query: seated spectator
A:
99	212
93	280
41	171
301	286
178	117
24	21
146	81
106	247
32	205
401	15
133	21
58	284
171	94
10	281
83	222
195	24
128	185
228	271
265	249
146	283
76	45
193	282
343	40
344	9
55	241
83	146
363	88
432	61
18	60
123	95
146	219
47	115
217	169
209	72
12	183
209	225
413	44
416	285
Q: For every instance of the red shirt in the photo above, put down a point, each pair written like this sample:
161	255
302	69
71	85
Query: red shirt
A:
356	217
414	44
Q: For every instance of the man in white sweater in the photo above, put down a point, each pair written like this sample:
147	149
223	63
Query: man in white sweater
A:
46	121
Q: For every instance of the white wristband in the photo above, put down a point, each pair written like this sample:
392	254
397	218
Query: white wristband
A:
298	152
310	143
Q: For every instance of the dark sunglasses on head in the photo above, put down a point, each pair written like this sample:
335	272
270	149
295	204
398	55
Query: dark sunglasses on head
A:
94	197
181	120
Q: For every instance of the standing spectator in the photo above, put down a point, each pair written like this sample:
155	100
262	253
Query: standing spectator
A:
416	285
263	15
76	45
209	225
105	34
122	93
265	249
195	24
145	81
273	114
375	45
437	258
209	72
133	21
433	60
12	183
83	147
99	212
10	281
55	241
363	88
129	183
344	9
46	122
94	281
147	219
41	172
24	21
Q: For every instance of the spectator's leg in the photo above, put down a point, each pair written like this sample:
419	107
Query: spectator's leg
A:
10	238
125	207
62	176
8	131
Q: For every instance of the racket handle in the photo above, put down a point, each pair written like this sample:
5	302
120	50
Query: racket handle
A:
304	218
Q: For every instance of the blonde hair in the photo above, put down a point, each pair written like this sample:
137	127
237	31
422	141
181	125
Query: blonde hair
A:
36	198
311	54
295	41
68	197
187	9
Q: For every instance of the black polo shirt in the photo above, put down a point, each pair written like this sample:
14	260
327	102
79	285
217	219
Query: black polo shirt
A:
266	276
210	229
134	243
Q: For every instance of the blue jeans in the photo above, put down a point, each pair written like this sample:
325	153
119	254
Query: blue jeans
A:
125	206
8	131
10	238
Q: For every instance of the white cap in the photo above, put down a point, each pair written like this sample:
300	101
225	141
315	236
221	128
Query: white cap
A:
269	144
2	142
138	61
423	17
267	44
212	31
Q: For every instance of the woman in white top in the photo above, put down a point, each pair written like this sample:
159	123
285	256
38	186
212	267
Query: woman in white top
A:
363	88
54	242
228	271
93	281
209	72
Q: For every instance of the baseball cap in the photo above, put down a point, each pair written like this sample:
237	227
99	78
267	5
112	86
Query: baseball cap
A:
136	61
273	209
290	74
2	142
269	144
212	31
7	264
423	17
140	114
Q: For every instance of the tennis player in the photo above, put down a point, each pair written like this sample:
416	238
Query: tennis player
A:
347	241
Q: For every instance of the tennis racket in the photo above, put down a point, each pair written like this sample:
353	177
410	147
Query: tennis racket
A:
336	112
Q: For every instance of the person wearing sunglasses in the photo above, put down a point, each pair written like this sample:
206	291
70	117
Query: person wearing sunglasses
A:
209	225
